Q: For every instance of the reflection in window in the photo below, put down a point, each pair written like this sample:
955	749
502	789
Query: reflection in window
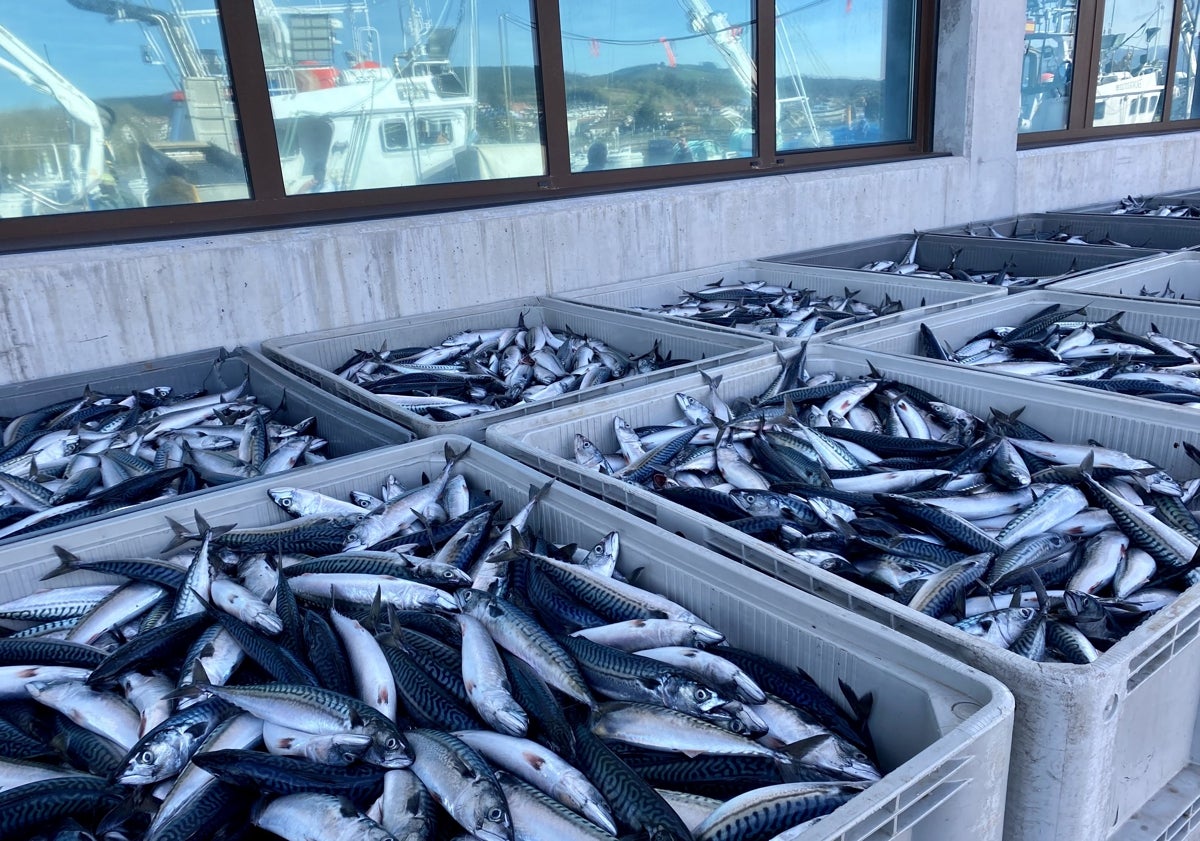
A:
395	137
109	105
1048	65
1131	68
844	72
1185	105
407	93
649	84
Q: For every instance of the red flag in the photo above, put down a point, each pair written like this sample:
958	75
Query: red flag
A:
849	3
670	53
595	47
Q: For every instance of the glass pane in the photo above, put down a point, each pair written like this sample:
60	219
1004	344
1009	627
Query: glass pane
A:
396	93
107	104
1185	105
659	83
1048	65
1131	70
844	72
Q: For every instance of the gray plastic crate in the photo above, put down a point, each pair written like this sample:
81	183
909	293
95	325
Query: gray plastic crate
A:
1025	259
1154	233
1180	271
1104	751
958	327
918	295
942	730
315	356
347	429
1188	197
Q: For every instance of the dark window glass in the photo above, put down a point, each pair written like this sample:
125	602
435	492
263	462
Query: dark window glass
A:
109	105
453	86
395	136
651	84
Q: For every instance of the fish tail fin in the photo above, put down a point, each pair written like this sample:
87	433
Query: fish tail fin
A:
182	535
68	562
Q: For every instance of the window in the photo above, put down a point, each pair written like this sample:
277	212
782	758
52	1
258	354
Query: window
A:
106	114
1127	48
844	73
243	115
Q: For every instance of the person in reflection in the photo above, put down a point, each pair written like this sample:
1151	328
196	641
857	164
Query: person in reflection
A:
683	152
597	157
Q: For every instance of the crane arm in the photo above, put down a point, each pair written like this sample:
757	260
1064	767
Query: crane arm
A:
34	72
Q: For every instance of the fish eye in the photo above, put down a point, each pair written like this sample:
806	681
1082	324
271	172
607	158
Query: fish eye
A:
349	757
286	502
703	694
392	744
599	547
146	757
495	814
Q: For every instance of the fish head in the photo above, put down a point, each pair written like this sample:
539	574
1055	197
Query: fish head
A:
444	575
691	696
388	748
470	600
153	762
1161	482
703	635
285	498
756	503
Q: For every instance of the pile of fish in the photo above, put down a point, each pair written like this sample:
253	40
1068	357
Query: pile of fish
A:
1061	345
1043	236
475	371
98	453
759	307
908	266
1130	206
1053	550
401	672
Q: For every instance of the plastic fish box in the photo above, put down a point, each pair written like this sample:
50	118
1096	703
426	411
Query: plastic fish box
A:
918	295
1155	233
346	429
1025	259
315	356
1184	197
1103	751
942	729
1179	272
959	327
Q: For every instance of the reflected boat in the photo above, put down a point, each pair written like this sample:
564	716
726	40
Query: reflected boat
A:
344	121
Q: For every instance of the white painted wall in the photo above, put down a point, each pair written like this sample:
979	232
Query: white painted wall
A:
93	307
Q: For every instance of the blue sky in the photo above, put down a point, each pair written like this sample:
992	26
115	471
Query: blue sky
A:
104	59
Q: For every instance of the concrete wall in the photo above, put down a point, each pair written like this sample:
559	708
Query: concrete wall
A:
94	307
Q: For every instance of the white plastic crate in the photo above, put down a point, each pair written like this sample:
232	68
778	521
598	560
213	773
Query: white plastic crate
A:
315	356
1103	751
942	730
918	295
958	327
347	429
1180	270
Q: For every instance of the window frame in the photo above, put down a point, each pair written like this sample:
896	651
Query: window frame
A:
269	206
1081	114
